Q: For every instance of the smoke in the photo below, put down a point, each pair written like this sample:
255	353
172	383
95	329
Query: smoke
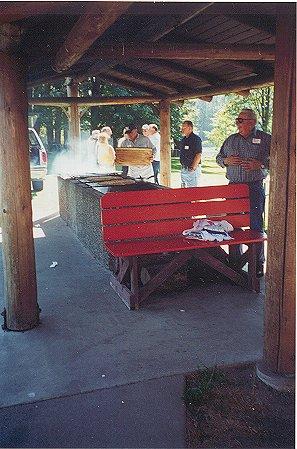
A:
82	160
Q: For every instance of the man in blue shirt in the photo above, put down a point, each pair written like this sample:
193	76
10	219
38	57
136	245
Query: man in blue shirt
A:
246	158
190	156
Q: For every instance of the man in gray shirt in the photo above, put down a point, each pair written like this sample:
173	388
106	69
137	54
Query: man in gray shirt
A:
246	158
134	139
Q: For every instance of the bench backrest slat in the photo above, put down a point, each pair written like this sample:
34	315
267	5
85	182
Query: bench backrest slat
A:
160	213
172	211
163	228
166	196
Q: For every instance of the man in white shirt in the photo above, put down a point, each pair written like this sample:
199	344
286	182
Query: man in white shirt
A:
155	137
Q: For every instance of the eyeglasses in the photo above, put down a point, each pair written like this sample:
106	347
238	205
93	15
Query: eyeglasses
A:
241	120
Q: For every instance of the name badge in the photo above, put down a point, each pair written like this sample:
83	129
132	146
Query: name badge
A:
256	141
187	147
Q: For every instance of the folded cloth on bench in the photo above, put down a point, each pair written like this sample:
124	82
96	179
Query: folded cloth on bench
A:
209	230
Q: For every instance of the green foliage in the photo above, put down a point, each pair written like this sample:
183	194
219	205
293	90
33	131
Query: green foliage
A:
209	166
223	122
179	113
214	121
198	390
206	112
52	122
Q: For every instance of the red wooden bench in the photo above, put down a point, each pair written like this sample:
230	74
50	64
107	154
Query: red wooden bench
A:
151	222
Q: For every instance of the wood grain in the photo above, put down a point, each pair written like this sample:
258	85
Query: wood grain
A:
133	156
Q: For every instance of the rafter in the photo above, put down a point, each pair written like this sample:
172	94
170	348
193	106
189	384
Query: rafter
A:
242	85
155	31
188	72
139	75
165	50
130	84
87	29
90	101
255	21
13	11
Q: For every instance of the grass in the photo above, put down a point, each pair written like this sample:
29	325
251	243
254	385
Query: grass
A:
229	407
199	391
209	166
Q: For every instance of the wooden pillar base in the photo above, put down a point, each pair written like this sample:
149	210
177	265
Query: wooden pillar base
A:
279	382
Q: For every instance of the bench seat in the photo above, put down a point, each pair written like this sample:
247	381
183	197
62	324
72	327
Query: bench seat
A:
177	243
137	225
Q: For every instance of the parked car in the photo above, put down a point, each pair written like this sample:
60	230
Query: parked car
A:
38	160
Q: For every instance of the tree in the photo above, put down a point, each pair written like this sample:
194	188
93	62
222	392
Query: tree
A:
50	122
118	116
260	100
206	112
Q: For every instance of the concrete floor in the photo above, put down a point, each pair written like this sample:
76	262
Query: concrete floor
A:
90	351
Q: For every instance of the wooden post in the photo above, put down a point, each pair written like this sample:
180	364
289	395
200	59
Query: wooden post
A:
74	118
165	160
279	335
20	291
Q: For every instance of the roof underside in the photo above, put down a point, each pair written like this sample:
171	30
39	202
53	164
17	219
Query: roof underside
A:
46	25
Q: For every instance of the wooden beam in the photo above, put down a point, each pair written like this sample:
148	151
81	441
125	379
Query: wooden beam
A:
188	72
139	75
226	88
258	22
86	30
130	85
165	160
98	67
243	93
91	101
280	310
155	30
20	290
166	50
74	116
206	98
13	11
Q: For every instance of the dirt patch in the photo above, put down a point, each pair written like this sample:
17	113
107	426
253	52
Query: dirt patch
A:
230	407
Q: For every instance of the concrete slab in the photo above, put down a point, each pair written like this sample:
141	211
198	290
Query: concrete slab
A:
87	332
72	372
142	415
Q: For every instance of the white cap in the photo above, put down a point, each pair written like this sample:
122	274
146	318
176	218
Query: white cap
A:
146	126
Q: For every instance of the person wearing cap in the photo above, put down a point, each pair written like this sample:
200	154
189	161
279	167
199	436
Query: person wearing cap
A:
108	131
105	154
145	130
155	138
245	155
190	148
134	139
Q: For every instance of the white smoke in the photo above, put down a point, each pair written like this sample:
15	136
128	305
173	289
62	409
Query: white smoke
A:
78	162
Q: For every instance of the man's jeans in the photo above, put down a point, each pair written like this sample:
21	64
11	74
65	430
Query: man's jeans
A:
257	205
156	168
190	178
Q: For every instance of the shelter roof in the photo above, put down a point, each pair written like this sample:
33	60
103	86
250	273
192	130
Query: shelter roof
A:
170	50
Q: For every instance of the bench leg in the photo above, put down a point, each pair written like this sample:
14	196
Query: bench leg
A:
168	269
254	282
128	270
221	267
134	278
